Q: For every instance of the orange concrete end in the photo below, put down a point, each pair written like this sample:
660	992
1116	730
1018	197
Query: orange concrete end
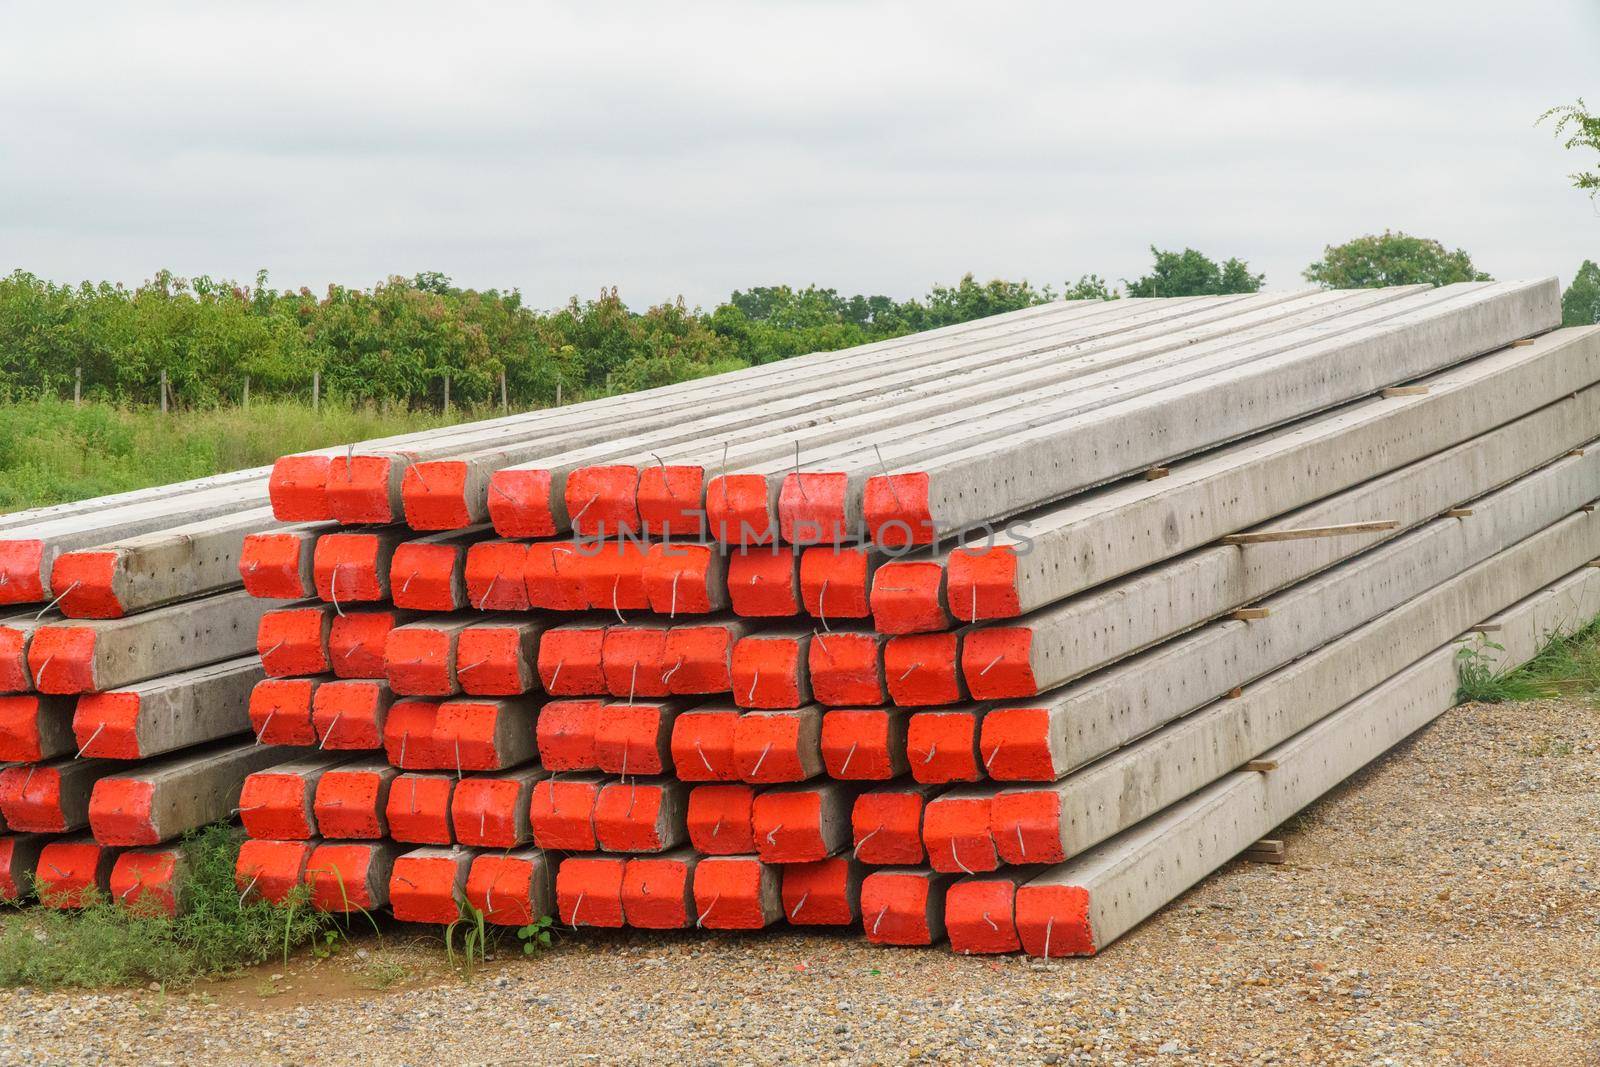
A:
923	670
570	663
280	712
71	874
1015	745
628	738
982	583
147	881
491	661
996	663
739	510
565	732
677	579
625	817
764	583
698	659
419	809
942	746
358	489
61	659
423	577
980	917
408	735
734	893
422	889
612	575
955	831
433	495
767	748
19	730
298	489
897	512
350	568
277	805
86	585
562	814
30	799
22	568
502	887
788	826
631	659
293	641
847	669
352	803
350	715
834	581
417	661
14	674
824	893
355	643
720	819
908	597
768	672
863	744
1027	826
1053	921
466	731
669	500
271	869
812	509
887	828
602	501
120	812
274	566
552	577
519	503
497	576
484	812
895	908
340	877
589	891
702	745
657	892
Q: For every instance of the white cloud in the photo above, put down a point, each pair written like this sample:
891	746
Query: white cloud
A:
701	147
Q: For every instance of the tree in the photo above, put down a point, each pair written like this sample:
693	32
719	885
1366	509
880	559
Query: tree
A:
1581	130
1089	287
1191	273
1580	305
1392	258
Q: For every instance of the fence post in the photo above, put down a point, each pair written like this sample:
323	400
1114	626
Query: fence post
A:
163	390
447	394
505	405
77	387
558	392
316	390
247	392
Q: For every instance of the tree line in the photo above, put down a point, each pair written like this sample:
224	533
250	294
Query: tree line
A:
417	341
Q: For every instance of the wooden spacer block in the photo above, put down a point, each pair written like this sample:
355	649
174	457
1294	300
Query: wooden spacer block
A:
1267	850
1247	614
1404	390
1575	452
1156	472
1458	513
1524	343
1306	532
1484	628
1236	692
1262	765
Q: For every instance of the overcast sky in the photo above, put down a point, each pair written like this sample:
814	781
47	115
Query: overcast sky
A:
685	148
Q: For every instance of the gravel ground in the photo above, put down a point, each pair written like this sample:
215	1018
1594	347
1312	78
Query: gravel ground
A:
1442	907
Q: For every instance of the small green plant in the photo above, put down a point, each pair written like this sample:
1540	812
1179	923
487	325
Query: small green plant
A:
106	944
1567	664
536	935
1481	682
381	973
475	943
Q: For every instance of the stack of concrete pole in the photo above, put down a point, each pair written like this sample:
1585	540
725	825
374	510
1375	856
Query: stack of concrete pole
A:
1003	634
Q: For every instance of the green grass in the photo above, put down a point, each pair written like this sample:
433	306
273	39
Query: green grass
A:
1567	665
52	452
105	944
